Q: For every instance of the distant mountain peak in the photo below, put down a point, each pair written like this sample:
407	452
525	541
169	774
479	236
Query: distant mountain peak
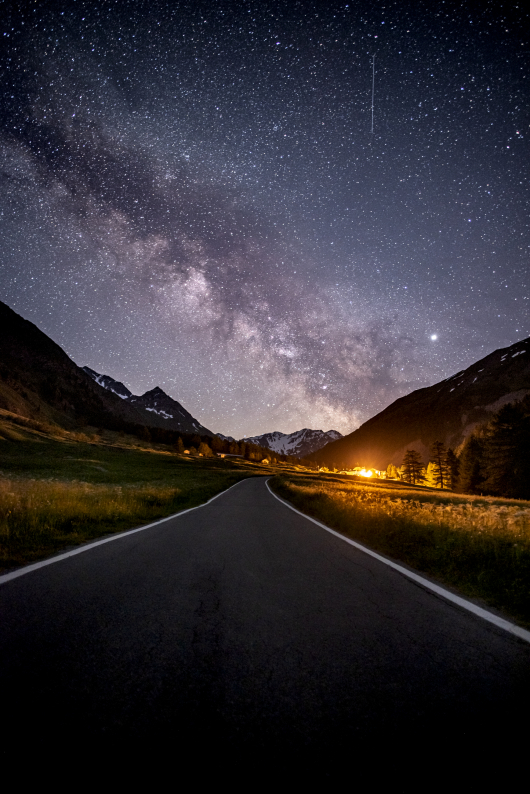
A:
156	392
299	444
109	383
162	410
225	438
40	381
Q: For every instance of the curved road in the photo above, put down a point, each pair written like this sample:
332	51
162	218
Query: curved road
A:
243	625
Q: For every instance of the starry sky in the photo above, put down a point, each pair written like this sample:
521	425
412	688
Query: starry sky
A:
192	196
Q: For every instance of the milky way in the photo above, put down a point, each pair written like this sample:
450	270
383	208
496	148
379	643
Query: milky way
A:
192	198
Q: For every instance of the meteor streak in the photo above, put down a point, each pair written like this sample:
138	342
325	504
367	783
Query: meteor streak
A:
373	90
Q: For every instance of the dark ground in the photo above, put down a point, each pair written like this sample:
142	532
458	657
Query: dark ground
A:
245	630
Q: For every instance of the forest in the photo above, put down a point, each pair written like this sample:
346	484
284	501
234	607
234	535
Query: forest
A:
493	461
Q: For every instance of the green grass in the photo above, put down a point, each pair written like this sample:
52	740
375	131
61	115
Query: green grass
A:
56	493
479	546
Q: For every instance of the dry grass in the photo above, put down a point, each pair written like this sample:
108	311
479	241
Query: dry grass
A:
57	492
38	516
481	546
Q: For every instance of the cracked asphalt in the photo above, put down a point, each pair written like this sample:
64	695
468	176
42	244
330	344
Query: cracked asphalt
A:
246	627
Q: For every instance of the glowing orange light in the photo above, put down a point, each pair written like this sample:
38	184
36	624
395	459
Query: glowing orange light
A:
365	473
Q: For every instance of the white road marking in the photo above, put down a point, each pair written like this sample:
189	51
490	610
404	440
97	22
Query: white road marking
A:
435	588
7	577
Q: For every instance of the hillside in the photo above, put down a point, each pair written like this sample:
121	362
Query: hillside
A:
163	409
447	411
39	381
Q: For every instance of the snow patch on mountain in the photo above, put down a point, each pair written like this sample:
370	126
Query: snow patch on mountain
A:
299	444
161	413
225	438
155	401
115	386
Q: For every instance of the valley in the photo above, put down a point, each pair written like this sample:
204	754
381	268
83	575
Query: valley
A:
62	489
82	457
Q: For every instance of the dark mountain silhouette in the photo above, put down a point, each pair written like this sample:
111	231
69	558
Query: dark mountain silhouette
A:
447	411
162	409
109	383
39	381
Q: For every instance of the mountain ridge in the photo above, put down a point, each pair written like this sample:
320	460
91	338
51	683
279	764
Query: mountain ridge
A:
448	411
301	443
39	381
154	401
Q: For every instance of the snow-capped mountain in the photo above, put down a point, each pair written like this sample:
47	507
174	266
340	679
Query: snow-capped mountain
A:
225	438
109	383
156	402
38	380
299	444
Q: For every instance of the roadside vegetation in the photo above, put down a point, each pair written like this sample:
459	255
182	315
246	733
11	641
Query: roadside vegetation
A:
61	488
493	461
57	491
478	545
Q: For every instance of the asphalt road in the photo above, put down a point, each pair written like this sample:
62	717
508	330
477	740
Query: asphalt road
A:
244	626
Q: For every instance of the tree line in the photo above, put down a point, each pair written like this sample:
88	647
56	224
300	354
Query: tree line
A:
442	470
493	461
195	443
209	446
213	445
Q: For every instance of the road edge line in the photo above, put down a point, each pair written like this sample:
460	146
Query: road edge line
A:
501	623
7	577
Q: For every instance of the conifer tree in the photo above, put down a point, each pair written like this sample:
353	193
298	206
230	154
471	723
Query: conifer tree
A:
506	460
471	474
413	470
217	444
496	458
440	465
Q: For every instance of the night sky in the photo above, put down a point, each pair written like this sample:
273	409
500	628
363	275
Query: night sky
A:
192	197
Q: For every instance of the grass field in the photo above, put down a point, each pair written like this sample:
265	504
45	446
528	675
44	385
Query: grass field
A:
57	492
478	545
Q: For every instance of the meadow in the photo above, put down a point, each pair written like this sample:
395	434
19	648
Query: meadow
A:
479	546
60	490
